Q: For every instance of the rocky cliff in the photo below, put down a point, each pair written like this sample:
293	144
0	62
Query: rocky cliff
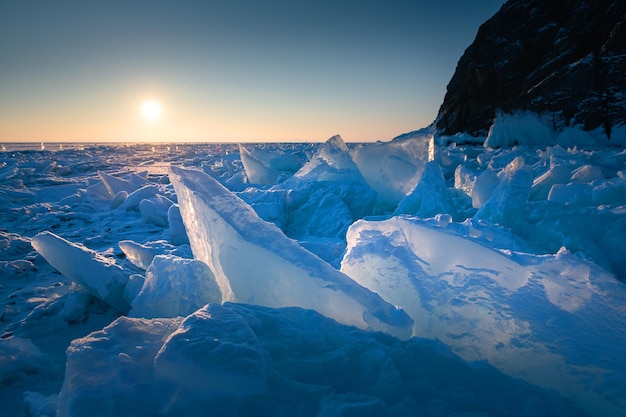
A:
562	58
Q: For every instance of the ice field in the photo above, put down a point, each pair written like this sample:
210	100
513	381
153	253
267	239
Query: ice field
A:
400	278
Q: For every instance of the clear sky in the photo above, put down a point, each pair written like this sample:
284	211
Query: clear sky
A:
228	70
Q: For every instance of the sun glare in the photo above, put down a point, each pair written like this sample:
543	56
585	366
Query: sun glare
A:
151	110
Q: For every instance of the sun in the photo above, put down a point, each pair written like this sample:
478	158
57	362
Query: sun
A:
151	110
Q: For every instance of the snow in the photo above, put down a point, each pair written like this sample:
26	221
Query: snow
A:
519	128
570	137
525	128
404	278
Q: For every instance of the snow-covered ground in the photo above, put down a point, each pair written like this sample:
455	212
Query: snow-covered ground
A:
400	278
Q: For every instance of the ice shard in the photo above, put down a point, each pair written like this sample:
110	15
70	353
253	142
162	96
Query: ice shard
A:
254	262
99	275
538	318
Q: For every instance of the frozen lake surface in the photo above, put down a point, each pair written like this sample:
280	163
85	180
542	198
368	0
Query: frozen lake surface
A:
399	278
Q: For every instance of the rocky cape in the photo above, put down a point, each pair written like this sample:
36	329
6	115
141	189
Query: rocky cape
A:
562	59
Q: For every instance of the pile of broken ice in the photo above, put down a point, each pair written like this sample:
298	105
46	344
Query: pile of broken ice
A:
461	246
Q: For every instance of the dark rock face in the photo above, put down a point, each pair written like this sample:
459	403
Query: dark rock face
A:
564	58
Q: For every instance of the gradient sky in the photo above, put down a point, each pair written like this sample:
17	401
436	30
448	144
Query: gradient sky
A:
228	70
